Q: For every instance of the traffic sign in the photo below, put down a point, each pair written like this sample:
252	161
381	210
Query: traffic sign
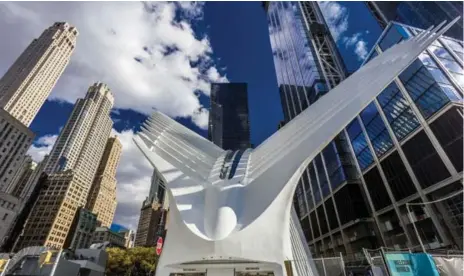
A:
159	245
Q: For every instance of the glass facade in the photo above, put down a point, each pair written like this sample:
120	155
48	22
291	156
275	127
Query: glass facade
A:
334	166
422	109
376	130
301	83
407	142
398	111
298	76
359	144
420	14
400	148
229	127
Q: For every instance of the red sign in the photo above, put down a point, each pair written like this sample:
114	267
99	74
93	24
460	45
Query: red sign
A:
159	246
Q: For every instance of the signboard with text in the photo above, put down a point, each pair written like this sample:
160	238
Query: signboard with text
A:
399	264
410	264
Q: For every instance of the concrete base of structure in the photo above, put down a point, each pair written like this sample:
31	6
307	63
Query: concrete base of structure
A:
231	268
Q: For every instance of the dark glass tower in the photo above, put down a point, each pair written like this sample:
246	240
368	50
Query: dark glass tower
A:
329	198
229	127
420	14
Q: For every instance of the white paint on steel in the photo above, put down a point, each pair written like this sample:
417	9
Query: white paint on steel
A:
248	217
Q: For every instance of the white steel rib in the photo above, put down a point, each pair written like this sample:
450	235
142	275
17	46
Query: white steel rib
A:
236	206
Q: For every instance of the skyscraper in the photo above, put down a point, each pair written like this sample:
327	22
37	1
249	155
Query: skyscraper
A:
28	82
10	206
148	228
26	185
153	213
81	231
353	194
229	126
71	168
420	14
86	130
307	66
23	174
408	146
15	140
157	191
102	197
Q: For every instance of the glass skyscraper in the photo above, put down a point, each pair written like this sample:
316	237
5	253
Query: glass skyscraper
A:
229	126
406	146
420	14
308	65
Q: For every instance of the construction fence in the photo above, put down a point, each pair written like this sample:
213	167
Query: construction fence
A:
330	266
391	262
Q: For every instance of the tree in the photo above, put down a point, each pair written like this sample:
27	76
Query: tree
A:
137	261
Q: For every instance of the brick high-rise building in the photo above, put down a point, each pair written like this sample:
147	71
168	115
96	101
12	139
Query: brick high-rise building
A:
151	214
28	82
71	168
102	197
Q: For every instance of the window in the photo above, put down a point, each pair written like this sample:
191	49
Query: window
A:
331	215
322	176
428	86
333	165
322	219
314	183
424	160
300	200
397	176
448	130
448	61
455	46
398	112
5	216
376	188
359	143
306	229
376	130
315	224
309	194
350	203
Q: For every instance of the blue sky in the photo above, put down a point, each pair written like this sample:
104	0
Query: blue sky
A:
242	50
216	41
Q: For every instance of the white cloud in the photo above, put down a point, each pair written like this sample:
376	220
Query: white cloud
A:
336	17
42	147
213	74
201	118
192	9
283	52
174	62
361	49
360	45
350	41
133	175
